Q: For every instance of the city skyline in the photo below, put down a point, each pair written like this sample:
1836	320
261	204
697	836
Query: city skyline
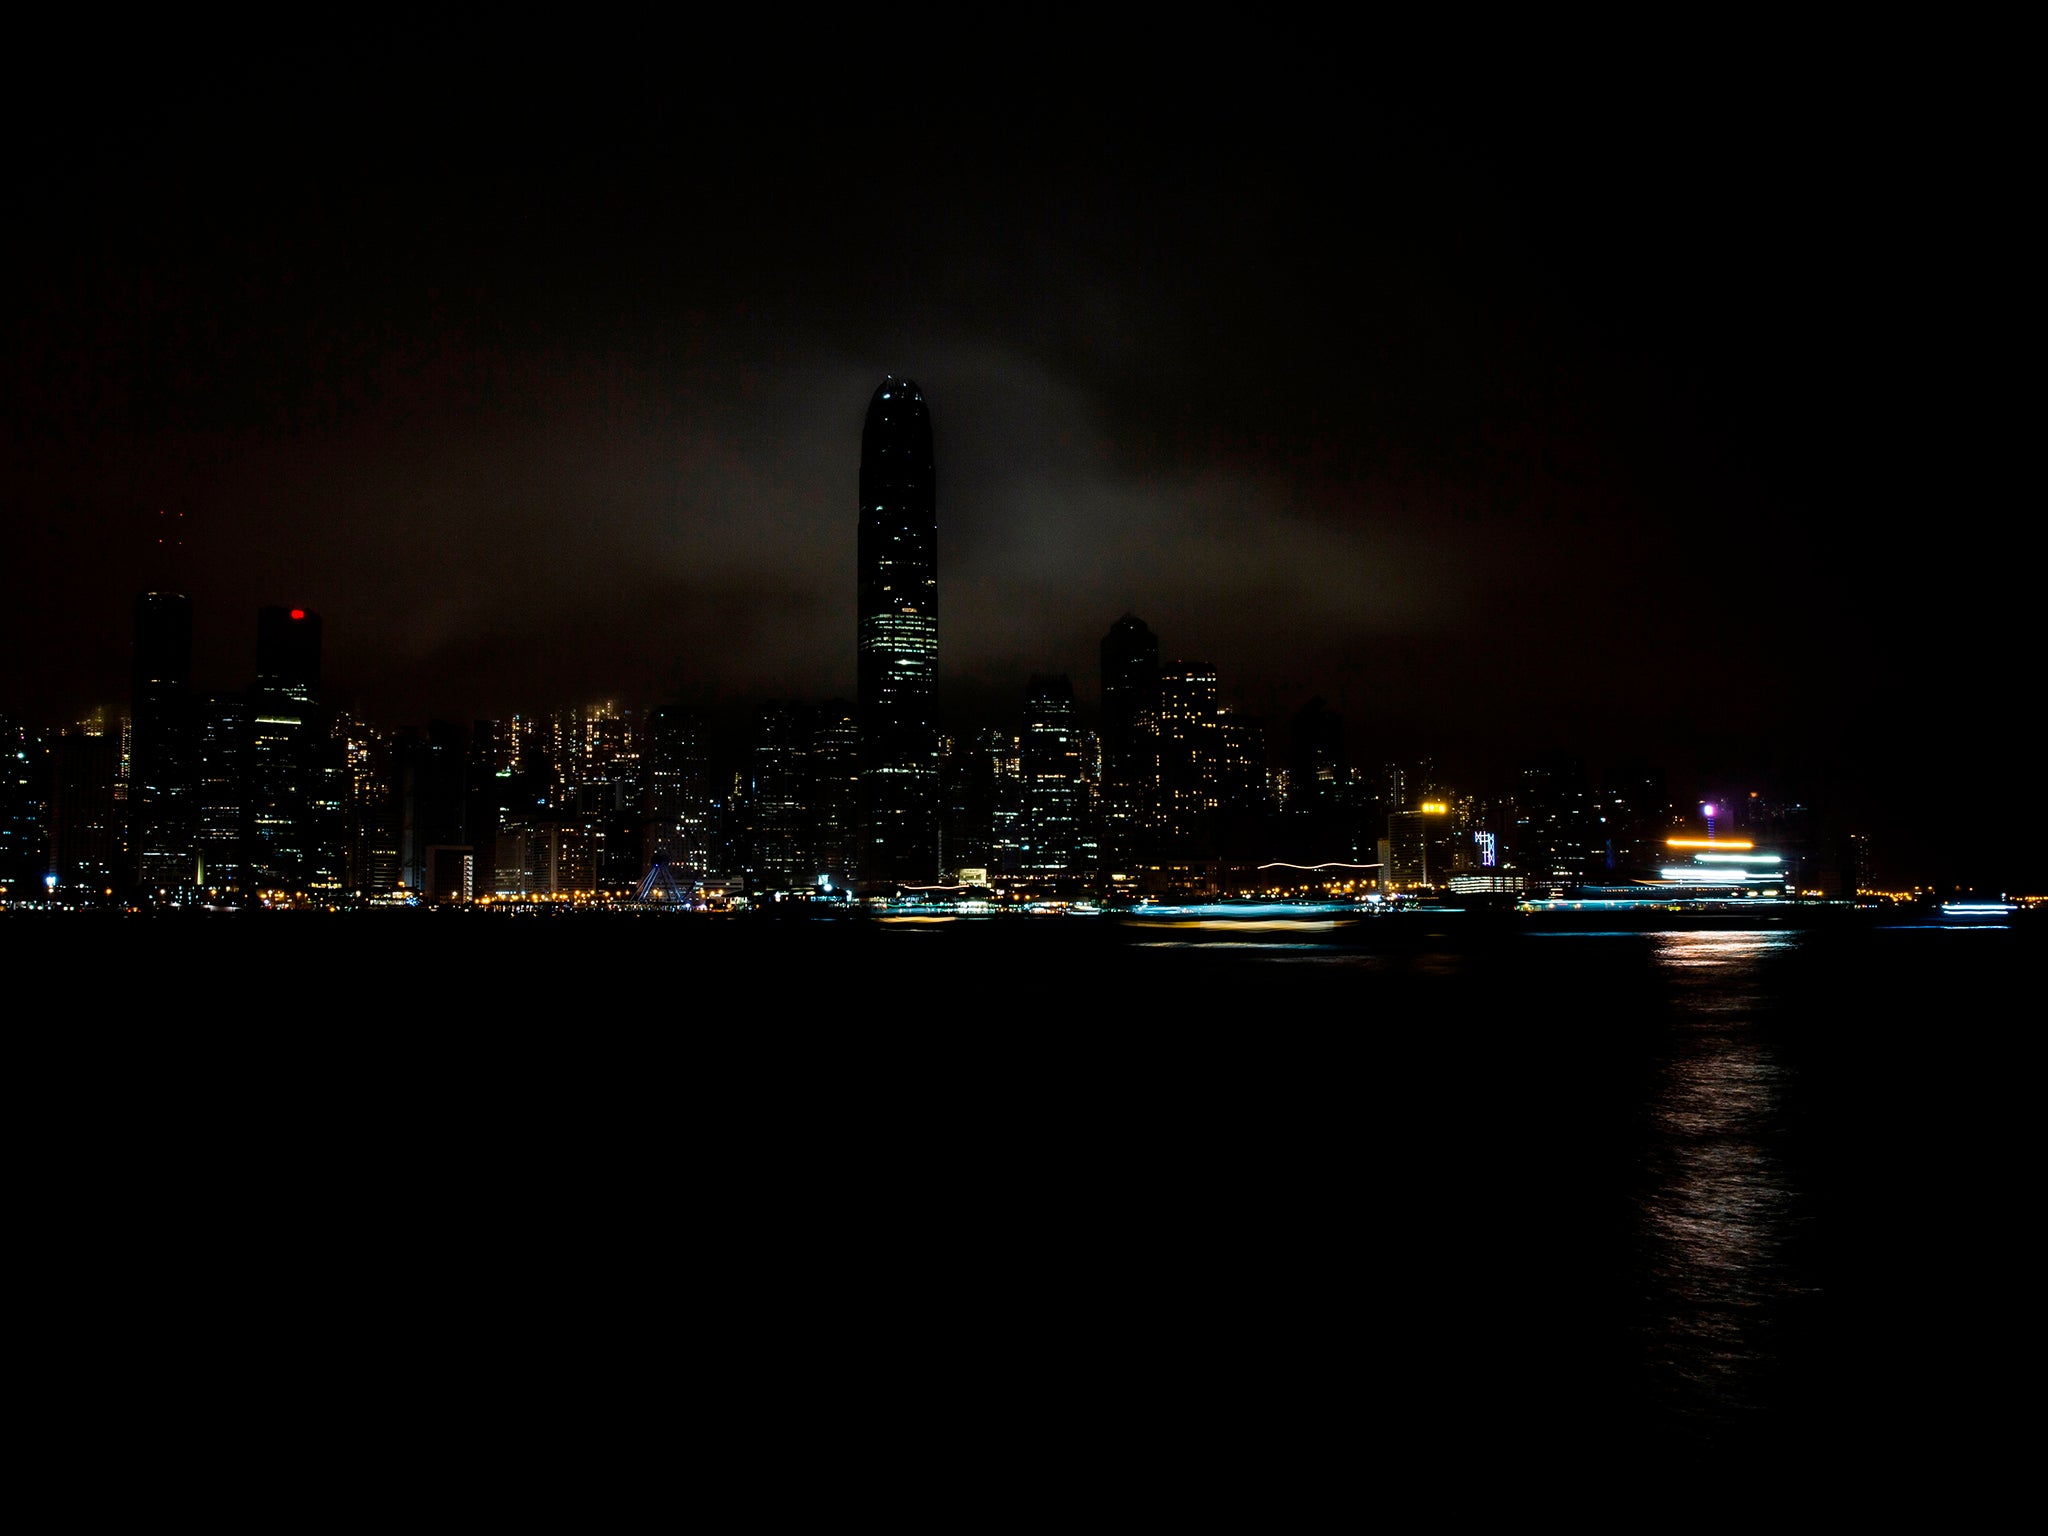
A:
276	789
1499	449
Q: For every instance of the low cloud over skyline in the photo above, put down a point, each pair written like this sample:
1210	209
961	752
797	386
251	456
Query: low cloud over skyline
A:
1568	438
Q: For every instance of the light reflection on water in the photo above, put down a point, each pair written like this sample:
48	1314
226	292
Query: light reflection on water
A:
1718	1210
1245	925
1260	946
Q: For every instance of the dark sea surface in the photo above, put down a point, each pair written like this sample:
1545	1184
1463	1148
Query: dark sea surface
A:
1468	1208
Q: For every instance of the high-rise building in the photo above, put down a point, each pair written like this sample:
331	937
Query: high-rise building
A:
85	823
1632	818
220	798
1242	804
1051	828
288	653
373	816
1315	768
1130	694
1188	747
1554	824
1418	847
967	782
898	638
293	799
833	792
24	858
774	823
432	781
540	855
679	802
161	766
1323	802
607	795
1005	800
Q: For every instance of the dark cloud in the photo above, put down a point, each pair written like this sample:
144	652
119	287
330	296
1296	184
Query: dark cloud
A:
1490	428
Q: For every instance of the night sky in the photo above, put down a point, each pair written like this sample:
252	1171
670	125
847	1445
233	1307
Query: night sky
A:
1668	423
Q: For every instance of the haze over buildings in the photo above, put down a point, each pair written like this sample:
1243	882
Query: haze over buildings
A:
275	794
1672	443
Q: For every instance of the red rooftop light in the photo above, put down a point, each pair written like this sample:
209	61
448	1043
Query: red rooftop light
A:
298	613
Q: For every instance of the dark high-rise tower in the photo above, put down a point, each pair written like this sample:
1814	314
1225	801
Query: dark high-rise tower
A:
898	638
288	654
221	751
293	816
1130	697
679	802
162	776
833	790
1315	768
774	819
1055	793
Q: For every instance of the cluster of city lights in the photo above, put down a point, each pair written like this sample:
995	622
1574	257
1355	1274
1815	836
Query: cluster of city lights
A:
1725	864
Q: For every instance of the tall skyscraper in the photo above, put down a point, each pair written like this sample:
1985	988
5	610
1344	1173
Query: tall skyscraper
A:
293	804
774	819
433	782
1130	695
161	767
1187	737
220	796
898	638
833	790
1054	791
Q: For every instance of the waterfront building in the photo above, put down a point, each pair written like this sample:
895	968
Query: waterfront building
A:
1631	819
544	853
1556	831
1418	847
832	794
432	781
967	784
85	826
1005	800
1050	830
776	856
681	808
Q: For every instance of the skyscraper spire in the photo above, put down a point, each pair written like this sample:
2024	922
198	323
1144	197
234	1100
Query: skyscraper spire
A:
898	638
